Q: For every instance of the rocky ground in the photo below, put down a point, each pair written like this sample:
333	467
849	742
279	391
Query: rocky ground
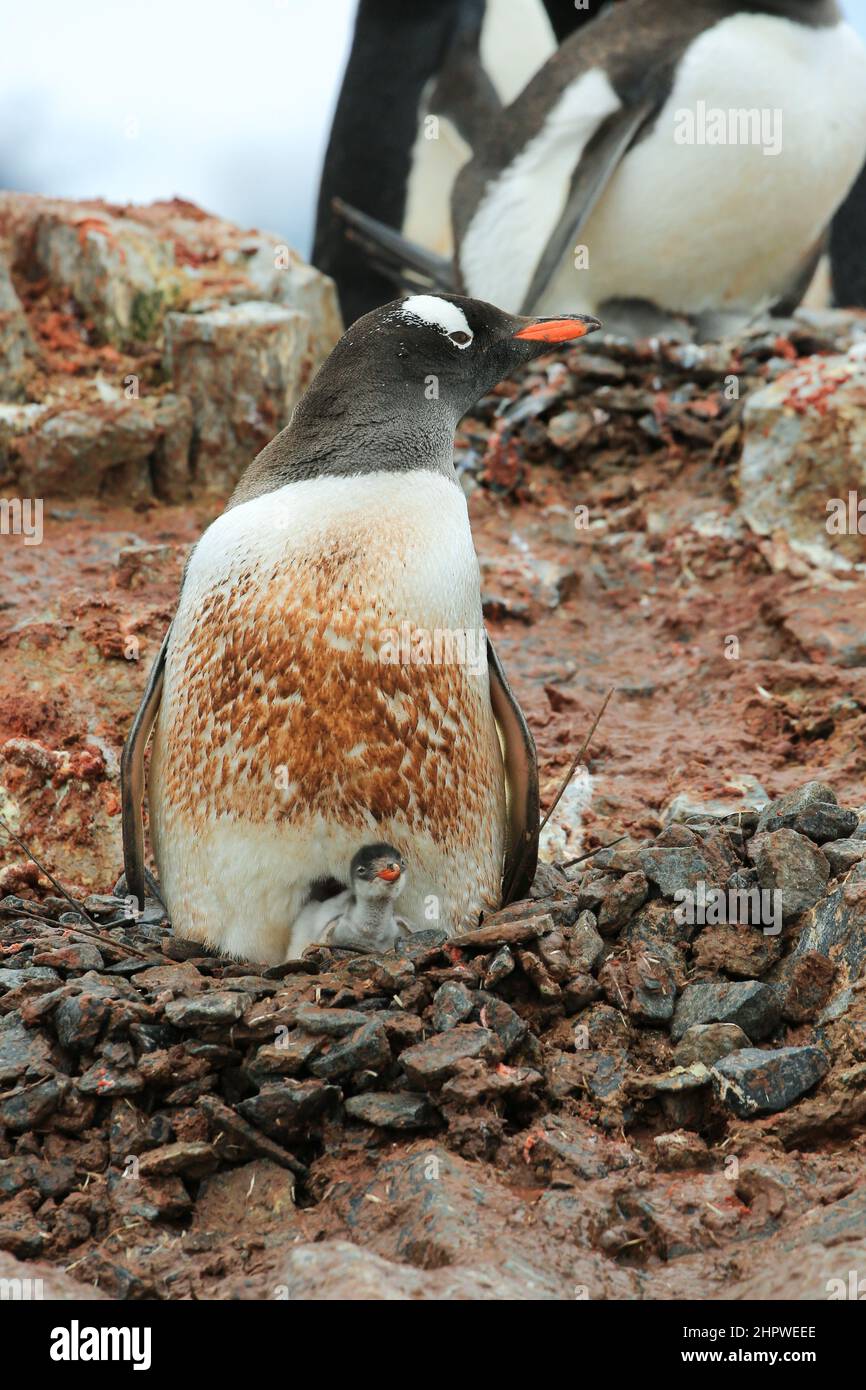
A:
590	1097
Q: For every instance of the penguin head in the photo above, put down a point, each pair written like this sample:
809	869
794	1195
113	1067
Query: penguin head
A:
378	872
449	349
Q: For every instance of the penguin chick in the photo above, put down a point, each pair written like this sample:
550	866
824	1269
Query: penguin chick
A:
362	917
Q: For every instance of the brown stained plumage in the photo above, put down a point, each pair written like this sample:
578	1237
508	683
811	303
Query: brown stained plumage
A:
283	711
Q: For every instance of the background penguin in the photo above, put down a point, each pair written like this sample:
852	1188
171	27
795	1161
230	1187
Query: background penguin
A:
282	738
458	59
362	917
588	156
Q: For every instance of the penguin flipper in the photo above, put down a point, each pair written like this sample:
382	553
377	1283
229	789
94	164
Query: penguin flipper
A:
408	265
600	160
132	778
521	776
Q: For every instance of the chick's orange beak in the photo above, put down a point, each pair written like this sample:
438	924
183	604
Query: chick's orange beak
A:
558	330
389	874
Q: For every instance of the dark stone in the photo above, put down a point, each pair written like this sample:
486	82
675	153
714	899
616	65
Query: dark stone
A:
813	811
366	1049
284	1058
23	1052
106	1081
842	855
216	1008
188	1160
805	985
402	1110
287	1110
329	1023
837	926
752	1005
753	1082
452	1004
679	860
31	1106
707	1042
501	930
788	863
432	1062
502	965
235	1139
580	991
502	1020
80	955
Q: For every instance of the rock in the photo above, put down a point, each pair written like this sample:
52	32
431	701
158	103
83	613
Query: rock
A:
836	926
452	1004
805	986
16	342
641	981
580	991
366	1049
148	1199
502	963
285	1058
243	369
29	1107
500	931
707	1042
753	1082
430	1063
502	1020
585	945
40	977
789	864
680	1149
751	1005
742	951
842	855
82	955
137	447
234	1138
401	1110
337	1270
215	1009
620	900
679	860
329	1023
811	810
44	1281
23	1052
103	1081
562	1147
796	460
474	1084
285	1111
181	1160
524	586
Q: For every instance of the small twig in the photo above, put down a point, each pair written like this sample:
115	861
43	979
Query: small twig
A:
97	934
586	742
577	761
591	853
42	869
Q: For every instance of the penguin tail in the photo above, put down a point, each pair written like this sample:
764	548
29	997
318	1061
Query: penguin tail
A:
406	264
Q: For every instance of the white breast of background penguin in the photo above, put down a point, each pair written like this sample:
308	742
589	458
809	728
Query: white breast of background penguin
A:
285	741
690	227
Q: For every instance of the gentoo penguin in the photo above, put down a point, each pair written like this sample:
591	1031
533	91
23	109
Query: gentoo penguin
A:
673	158
327	674
362	917
420	79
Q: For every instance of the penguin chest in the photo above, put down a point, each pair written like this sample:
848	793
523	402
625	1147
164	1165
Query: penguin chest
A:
327	678
718	207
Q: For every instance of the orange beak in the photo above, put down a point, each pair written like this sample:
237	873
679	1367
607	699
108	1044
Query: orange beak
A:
389	875
558	330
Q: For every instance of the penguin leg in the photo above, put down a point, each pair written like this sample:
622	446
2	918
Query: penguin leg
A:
132	778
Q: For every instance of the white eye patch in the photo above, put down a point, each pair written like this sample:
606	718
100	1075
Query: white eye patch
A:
438	313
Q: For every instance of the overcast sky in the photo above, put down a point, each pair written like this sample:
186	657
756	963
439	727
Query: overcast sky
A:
225	103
